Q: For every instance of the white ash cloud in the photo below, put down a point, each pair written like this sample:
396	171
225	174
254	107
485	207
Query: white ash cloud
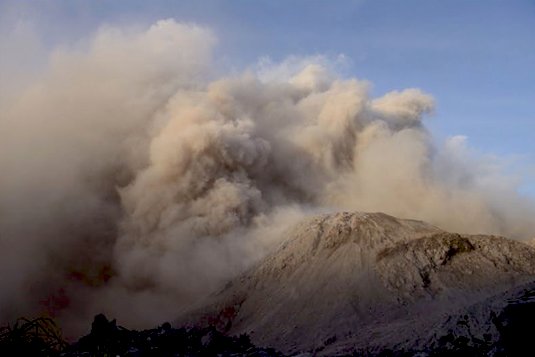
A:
135	179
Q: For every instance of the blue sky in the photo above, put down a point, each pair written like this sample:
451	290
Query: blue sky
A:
477	58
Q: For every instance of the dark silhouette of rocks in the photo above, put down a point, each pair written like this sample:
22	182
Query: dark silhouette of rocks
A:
108	339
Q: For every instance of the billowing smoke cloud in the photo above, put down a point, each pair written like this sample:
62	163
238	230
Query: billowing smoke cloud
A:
133	181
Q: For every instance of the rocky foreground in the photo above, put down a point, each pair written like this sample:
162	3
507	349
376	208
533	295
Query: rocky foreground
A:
514	324
38	338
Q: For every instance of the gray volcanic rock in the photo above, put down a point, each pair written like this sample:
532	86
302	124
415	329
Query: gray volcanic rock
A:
365	281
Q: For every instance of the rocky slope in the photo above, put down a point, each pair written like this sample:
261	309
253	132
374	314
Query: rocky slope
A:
370	282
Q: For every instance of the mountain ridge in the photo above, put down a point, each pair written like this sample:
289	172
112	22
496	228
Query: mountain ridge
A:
365	280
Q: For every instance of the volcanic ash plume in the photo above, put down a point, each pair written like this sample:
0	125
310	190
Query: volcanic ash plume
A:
132	180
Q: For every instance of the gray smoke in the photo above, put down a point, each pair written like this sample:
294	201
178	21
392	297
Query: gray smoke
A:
134	181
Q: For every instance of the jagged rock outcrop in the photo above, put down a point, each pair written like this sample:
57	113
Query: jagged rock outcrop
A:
108	339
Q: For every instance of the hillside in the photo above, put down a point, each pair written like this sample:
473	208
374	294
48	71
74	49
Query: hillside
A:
369	281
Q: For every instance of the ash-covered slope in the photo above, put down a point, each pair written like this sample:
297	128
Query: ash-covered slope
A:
365	281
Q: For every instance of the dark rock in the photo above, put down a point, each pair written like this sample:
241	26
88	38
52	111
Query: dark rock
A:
108	339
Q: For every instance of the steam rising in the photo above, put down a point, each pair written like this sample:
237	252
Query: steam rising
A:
133	182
